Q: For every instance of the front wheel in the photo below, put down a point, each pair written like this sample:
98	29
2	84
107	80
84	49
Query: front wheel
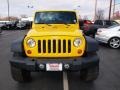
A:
114	42
89	74
20	75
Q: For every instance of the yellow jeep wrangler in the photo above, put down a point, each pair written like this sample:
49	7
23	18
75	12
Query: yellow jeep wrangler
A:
55	43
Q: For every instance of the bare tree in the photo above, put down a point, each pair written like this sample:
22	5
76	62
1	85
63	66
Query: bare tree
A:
23	16
100	14
116	15
12	18
85	17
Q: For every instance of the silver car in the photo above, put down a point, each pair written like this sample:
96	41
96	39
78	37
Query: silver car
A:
110	36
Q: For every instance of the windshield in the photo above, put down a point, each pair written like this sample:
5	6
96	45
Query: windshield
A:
55	17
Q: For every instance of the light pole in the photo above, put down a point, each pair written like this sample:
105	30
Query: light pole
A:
8	10
95	9
110	9
114	8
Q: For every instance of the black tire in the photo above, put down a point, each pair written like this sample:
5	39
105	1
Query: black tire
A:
117	41
20	75
90	74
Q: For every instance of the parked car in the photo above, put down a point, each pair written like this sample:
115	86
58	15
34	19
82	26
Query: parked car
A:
91	30
8	25
1	25
110	36
83	23
21	25
24	25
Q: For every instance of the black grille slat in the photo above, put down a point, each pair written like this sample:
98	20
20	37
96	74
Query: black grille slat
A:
44	46
69	46
49	46
64	46
54	46
39	46
59	46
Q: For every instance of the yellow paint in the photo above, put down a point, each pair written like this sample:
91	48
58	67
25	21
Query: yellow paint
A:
54	32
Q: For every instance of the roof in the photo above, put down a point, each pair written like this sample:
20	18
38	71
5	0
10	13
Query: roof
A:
55	10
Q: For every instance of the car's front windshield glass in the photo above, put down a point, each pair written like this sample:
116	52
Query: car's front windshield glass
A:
55	17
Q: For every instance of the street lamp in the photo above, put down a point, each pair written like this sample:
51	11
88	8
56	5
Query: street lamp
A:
95	9
110	9
113	8
8	10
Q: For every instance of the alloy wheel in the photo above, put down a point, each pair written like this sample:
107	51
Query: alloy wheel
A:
114	42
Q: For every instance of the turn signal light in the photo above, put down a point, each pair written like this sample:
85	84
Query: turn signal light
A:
29	51
79	51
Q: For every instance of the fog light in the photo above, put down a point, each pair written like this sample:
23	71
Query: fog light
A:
29	51
41	66
66	66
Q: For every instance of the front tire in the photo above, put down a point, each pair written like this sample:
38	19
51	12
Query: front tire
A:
20	75
90	74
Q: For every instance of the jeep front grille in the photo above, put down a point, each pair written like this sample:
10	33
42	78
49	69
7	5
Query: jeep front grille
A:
54	46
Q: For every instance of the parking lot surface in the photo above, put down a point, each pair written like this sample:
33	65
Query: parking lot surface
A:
109	78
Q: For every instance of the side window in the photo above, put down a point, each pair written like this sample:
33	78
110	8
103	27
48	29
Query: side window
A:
108	23
98	22
114	23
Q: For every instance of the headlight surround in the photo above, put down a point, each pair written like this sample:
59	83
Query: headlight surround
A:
31	43
77	42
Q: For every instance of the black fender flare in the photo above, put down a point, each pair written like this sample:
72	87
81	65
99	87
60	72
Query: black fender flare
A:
17	46
91	45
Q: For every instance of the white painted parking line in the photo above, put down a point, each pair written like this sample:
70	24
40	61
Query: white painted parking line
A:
65	81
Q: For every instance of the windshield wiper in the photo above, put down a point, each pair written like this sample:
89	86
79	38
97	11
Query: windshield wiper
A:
49	24
66	24
45	23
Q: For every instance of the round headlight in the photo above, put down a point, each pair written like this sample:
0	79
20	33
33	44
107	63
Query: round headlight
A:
77	42
31	43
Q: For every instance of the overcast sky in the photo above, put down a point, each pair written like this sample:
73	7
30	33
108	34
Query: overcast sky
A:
19	7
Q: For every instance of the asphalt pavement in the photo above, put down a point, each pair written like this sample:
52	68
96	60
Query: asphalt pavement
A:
109	78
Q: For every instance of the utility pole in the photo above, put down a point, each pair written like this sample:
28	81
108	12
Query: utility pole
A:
113	8
8	10
110	9
95	9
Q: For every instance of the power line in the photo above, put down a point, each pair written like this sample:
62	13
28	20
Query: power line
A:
8	10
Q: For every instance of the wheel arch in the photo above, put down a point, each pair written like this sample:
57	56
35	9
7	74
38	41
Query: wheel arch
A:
113	37
91	45
17	46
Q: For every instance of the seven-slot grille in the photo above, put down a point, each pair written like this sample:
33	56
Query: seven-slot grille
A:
54	46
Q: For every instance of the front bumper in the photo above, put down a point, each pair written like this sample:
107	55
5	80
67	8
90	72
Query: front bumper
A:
102	38
32	64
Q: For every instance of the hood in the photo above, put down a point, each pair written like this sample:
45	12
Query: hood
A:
55	30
